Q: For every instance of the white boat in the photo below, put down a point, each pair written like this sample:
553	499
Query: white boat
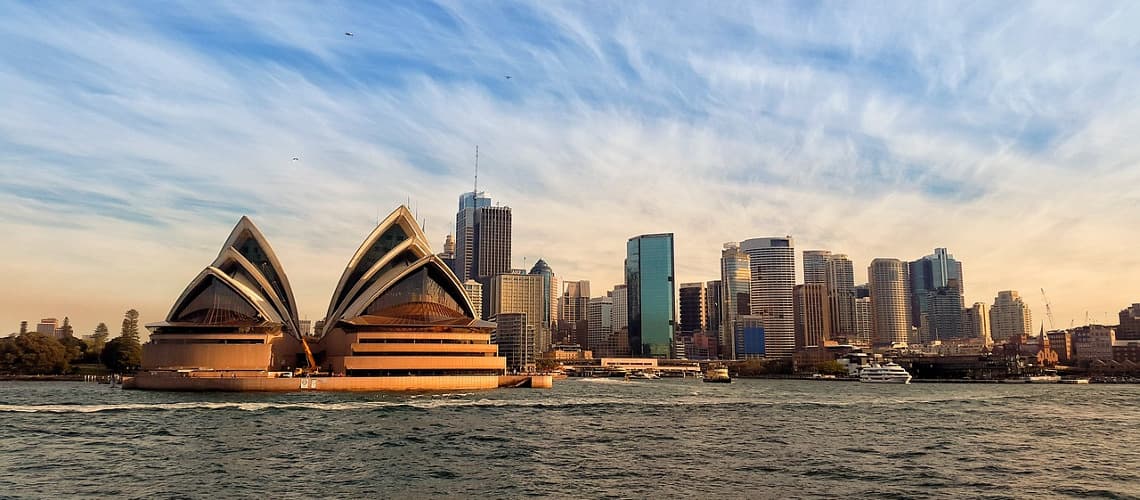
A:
890	373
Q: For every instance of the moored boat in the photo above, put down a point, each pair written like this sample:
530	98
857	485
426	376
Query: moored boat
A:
718	375
890	373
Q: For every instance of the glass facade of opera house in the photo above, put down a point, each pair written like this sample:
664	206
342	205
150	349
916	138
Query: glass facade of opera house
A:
397	312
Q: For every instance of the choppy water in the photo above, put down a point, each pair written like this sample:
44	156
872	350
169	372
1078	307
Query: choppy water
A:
583	439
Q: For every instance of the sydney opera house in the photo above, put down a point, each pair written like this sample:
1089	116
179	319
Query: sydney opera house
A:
398	320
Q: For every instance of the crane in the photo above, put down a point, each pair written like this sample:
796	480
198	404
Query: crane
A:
1048	309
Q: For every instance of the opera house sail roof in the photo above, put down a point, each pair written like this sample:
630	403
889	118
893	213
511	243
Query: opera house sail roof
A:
244	286
395	278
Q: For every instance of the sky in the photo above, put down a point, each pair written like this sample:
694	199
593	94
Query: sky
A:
134	136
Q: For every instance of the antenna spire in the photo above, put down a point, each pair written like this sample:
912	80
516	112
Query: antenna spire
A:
476	190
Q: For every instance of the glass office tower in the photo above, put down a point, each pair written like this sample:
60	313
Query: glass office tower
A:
652	295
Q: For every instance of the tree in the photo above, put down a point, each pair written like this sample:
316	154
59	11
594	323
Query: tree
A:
831	368
76	349
99	337
121	355
130	329
34	354
66	329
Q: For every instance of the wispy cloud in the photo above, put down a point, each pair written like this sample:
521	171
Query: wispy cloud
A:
132	139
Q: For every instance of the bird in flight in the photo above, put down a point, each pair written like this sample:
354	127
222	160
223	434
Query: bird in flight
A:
508	77
348	33
296	159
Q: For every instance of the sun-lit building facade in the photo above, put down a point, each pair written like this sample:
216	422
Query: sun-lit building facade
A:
238	314
652	295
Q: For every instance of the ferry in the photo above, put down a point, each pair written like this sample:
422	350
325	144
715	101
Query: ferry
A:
890	373
718	375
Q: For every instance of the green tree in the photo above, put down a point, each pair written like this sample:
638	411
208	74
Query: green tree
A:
120	355
76	349
99	337
66	329
130	329
831	368
34	354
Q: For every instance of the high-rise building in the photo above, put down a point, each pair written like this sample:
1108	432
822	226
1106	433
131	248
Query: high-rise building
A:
978	323
572	319
928	274
864	324
1010	317
815	266
551	291
944	314
514	334
841	293
652	294
464	263
306	326
813	315
474	291
482	238
492	241
599	315
520	293
712	307
1129	328
618	344
692	305
735	295
23	327
773	266
448	253
887	279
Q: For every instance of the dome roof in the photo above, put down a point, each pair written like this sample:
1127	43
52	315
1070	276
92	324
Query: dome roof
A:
541	267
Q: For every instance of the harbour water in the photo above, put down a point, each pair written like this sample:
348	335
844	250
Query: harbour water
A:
583	439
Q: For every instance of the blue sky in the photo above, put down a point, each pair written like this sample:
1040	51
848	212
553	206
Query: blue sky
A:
133	137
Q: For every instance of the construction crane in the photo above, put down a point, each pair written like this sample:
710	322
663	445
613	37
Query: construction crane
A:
1048	309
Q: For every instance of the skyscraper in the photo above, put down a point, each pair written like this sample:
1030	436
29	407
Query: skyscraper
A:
841	293
712	307
652	294
464	263
864	325
474	291
815	266
1010	316
482	238
692	302
735	296
618	344
520	293
550	292
599	314
978	323
945	313
887	279
572	319
929	274
492	241
813	315
773	266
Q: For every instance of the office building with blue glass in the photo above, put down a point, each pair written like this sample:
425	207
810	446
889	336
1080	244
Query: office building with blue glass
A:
652	294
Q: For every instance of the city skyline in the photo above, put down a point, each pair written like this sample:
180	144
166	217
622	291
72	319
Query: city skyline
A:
139	136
